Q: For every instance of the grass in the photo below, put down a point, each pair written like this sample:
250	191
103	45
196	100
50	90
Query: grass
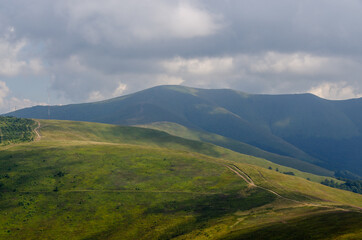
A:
300	189
98	181
330	225
85	131
117	189
192	134
108	166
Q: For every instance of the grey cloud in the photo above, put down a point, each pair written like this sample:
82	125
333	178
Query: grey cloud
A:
127	42
324	26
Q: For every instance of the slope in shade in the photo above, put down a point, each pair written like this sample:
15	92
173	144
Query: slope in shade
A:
288	125
181	131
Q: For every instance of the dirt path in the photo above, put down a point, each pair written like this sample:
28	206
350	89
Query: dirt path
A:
248	180
244	174
36	130
251	183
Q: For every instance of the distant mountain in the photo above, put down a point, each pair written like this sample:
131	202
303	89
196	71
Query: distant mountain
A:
237	146
301	126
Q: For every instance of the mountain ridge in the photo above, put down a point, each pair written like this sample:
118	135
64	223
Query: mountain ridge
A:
302	126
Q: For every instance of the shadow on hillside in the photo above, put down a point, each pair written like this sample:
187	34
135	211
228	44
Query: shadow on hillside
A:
323	226
207	208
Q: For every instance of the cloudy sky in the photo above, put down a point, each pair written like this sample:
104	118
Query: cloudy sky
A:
87	50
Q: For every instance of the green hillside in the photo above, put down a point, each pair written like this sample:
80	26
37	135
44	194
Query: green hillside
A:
184	132
84	131
98	181
296	126
173	104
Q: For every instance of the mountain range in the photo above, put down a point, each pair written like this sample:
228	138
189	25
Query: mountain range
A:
301	130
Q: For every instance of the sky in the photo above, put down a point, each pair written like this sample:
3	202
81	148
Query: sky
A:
70	51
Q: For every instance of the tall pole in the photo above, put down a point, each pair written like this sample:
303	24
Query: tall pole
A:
48	104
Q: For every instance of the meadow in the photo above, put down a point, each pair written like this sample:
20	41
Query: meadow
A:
98	181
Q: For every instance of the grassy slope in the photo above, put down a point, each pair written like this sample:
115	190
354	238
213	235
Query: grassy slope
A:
81	131
173	104
184	132
117	190
143	184
305	228
300	126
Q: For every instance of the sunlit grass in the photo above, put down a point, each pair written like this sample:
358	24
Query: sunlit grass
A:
98	181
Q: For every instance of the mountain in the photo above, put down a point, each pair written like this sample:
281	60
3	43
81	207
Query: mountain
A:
184	132
301	126
83	180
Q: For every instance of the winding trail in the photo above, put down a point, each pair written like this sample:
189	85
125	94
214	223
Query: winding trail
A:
240	174
320	206
36	130
251	183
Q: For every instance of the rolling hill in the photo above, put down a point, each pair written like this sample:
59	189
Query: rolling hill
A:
98	181
181	131
300	126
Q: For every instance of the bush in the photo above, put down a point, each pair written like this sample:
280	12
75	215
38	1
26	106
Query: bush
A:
349	185
13	130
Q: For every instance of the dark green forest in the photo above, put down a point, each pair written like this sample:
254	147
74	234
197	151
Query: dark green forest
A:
14	130
349	185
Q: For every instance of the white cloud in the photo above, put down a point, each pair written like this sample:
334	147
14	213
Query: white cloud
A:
186	21
335	91
17	103
270	72
120	89
10	61
10	65
35	65
4	91
99	50
8	103
95	96
118	22
296	63
199	66
77	80
168	80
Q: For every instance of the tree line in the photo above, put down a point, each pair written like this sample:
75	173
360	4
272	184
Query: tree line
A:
349	185
13	130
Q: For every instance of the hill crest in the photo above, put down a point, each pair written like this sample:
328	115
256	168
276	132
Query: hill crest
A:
302	126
